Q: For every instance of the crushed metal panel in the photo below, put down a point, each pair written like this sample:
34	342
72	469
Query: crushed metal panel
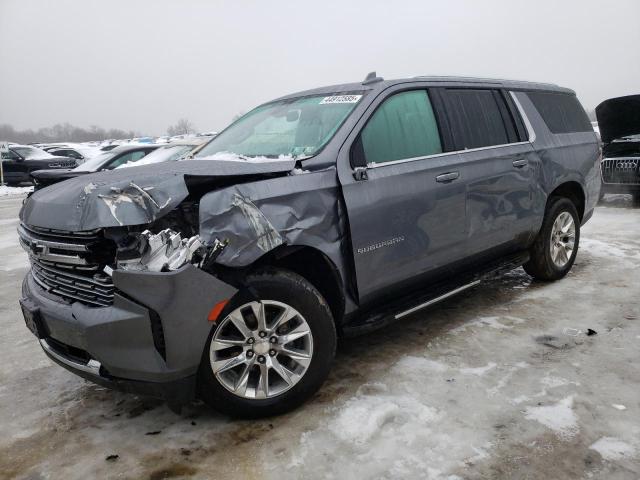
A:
131	196
267	237
260	216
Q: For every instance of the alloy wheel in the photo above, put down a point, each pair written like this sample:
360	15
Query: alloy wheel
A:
261	349
563	236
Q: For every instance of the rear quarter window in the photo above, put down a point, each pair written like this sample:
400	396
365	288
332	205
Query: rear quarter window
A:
561	112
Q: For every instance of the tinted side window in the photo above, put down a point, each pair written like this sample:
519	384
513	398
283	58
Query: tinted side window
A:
561	112
477	118
404	126
10	155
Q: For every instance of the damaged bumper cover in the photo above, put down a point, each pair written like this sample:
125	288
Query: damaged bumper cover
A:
151	339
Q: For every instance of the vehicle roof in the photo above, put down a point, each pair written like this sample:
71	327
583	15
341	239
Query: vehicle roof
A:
194	142
435	81
137	146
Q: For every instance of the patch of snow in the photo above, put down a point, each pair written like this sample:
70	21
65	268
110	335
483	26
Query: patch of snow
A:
491	322
363	417
417	364
618	407
611	448
607	249
479	371
559	417
6	190
553	382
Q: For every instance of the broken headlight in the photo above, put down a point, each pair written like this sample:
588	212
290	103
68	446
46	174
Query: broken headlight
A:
159	252
165	251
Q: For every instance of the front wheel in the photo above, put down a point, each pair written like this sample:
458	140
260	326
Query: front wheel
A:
556	246
271	348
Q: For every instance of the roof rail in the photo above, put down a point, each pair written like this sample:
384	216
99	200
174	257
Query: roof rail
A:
372	78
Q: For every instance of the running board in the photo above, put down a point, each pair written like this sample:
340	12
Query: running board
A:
401	307
436	300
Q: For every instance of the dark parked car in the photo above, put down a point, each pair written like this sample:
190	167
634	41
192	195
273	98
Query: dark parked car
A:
21	160
619	122
322	214
104	161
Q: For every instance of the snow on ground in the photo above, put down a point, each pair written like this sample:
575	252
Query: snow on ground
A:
6	190
501	382
613	448
559	417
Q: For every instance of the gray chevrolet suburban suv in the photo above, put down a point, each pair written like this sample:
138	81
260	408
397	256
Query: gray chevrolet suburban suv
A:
321	214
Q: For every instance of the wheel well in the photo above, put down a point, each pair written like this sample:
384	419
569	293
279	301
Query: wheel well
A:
573	191
314	266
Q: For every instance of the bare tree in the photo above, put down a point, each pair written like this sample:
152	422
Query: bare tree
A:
182	127
62	132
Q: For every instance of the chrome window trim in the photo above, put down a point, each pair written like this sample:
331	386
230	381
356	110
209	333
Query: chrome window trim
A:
530	132
444	154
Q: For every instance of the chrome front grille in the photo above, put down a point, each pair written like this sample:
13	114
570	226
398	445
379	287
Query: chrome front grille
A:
623	170
70	264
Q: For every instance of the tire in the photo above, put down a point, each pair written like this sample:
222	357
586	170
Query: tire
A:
277	290
635	199
541	264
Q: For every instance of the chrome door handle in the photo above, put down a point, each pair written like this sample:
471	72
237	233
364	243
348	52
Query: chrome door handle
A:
520	163
447	177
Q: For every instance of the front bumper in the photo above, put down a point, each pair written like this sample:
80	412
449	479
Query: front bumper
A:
150	341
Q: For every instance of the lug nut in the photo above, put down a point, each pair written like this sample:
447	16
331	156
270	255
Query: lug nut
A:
250	354
251	341
272	352
262	334
273	340
261	359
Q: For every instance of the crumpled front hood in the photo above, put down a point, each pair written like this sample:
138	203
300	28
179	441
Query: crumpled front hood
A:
128	196
619	117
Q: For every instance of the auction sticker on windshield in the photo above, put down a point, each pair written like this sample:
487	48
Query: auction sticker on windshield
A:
341	99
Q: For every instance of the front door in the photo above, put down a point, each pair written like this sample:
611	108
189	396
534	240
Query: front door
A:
407	211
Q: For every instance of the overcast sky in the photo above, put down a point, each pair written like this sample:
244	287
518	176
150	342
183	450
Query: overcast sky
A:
142	65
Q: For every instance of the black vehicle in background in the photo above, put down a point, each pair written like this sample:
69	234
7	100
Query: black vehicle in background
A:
21	160
105	161
619	122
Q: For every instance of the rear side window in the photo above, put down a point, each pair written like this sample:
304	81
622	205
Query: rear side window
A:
478	118
561	112
404	126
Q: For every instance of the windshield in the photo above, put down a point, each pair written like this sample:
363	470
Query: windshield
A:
29	153
293	128
95	163
163	154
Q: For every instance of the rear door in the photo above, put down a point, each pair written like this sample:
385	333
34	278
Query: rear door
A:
404	194
493	144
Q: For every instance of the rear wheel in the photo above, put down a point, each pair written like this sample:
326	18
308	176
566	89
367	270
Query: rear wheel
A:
556	246
271	348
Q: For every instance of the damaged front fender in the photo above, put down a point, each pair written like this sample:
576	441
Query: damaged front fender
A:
255	218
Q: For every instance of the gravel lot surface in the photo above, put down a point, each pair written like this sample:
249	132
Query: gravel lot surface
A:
502	381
